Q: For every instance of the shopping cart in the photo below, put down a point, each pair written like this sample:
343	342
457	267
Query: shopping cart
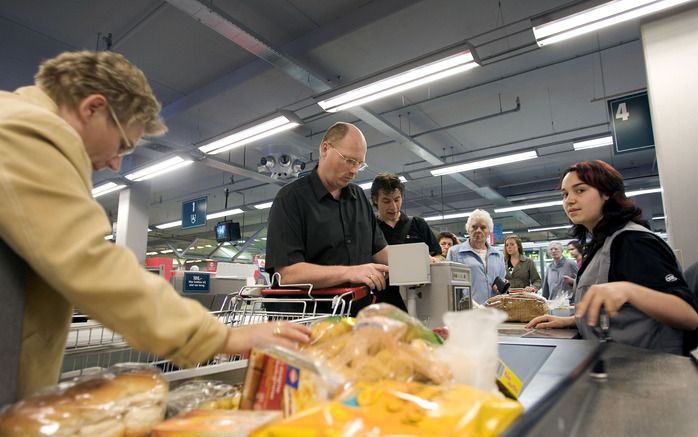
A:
92	347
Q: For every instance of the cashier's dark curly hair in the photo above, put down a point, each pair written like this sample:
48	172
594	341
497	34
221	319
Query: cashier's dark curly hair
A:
617	210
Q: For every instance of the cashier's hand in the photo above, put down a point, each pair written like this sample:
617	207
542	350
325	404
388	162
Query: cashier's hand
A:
244	338
371	274
548	321
611	296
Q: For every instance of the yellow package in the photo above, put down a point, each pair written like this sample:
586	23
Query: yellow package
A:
403	408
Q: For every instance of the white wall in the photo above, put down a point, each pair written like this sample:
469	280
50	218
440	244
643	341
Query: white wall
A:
670	46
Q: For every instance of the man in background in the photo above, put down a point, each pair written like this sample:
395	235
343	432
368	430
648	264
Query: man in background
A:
398	228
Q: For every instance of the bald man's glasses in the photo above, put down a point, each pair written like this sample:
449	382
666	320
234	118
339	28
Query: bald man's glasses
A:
360	165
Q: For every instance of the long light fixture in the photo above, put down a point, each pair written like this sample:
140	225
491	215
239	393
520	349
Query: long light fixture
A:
491	162
590	144
447	216
549	228
598	17
264	205
107	188
641	192
367	185
378	87
528	206
282	121
158	169
211	216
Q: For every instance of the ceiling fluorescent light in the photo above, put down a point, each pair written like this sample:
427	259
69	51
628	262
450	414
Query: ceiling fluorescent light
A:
529	206
107	188
550	228
659	217
596	142
598	17
507	232
263	205
279	123
159	168
367	185
233	211
447	216
491	162
376	89
641	192
169	225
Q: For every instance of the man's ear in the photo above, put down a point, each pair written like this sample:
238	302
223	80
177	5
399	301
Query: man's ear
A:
91	105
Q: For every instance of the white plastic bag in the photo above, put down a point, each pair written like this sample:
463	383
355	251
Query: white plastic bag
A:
471	349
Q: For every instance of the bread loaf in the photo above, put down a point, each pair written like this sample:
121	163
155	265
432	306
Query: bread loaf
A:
125	405
520	307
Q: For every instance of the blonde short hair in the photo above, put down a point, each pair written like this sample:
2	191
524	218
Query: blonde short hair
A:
72	76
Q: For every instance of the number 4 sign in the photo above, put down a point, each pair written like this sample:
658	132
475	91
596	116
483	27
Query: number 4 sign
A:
631	123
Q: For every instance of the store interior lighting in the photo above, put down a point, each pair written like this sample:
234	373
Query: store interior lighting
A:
448	216
158	169
597	17
491	162
219	214
549	228
528	206
265	205
107	188
590	144
641	192
397	83
262	129
367	185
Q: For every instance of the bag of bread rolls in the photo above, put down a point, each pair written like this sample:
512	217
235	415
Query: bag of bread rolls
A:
124	401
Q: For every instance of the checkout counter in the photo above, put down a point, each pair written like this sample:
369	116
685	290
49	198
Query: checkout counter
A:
637	392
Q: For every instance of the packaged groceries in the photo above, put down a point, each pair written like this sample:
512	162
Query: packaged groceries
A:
214	423
390	408
125	400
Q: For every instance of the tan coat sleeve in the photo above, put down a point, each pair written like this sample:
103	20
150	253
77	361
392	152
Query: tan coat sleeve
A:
50	219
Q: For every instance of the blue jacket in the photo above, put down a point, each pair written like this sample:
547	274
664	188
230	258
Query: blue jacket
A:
480	278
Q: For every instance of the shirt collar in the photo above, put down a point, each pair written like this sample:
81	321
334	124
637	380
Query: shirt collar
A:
319	188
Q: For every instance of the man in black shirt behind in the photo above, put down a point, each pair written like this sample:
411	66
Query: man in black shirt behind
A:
321	227
386	194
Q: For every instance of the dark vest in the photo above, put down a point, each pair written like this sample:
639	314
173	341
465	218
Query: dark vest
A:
630	326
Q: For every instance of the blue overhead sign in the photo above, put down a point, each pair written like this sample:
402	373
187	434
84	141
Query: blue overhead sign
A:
194	213
196	282
631	122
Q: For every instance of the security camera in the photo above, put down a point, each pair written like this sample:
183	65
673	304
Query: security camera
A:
285	160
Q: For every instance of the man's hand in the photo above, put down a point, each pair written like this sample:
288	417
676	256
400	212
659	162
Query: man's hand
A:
370	274
568	279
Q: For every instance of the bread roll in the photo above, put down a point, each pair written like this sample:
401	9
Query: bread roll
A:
520	307
125	405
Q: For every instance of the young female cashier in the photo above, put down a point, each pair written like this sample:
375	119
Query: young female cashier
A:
627	270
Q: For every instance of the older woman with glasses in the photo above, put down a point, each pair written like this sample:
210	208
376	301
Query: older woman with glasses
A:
521	271
485	262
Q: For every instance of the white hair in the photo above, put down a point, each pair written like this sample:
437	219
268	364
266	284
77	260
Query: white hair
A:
555	243
482	215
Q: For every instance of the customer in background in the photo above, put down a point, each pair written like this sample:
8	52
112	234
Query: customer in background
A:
321	227
446	241
629	272
486	262
85	112
560	274
575	249
387	192
521	271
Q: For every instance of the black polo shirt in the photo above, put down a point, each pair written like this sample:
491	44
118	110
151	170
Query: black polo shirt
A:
306	224
416	230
